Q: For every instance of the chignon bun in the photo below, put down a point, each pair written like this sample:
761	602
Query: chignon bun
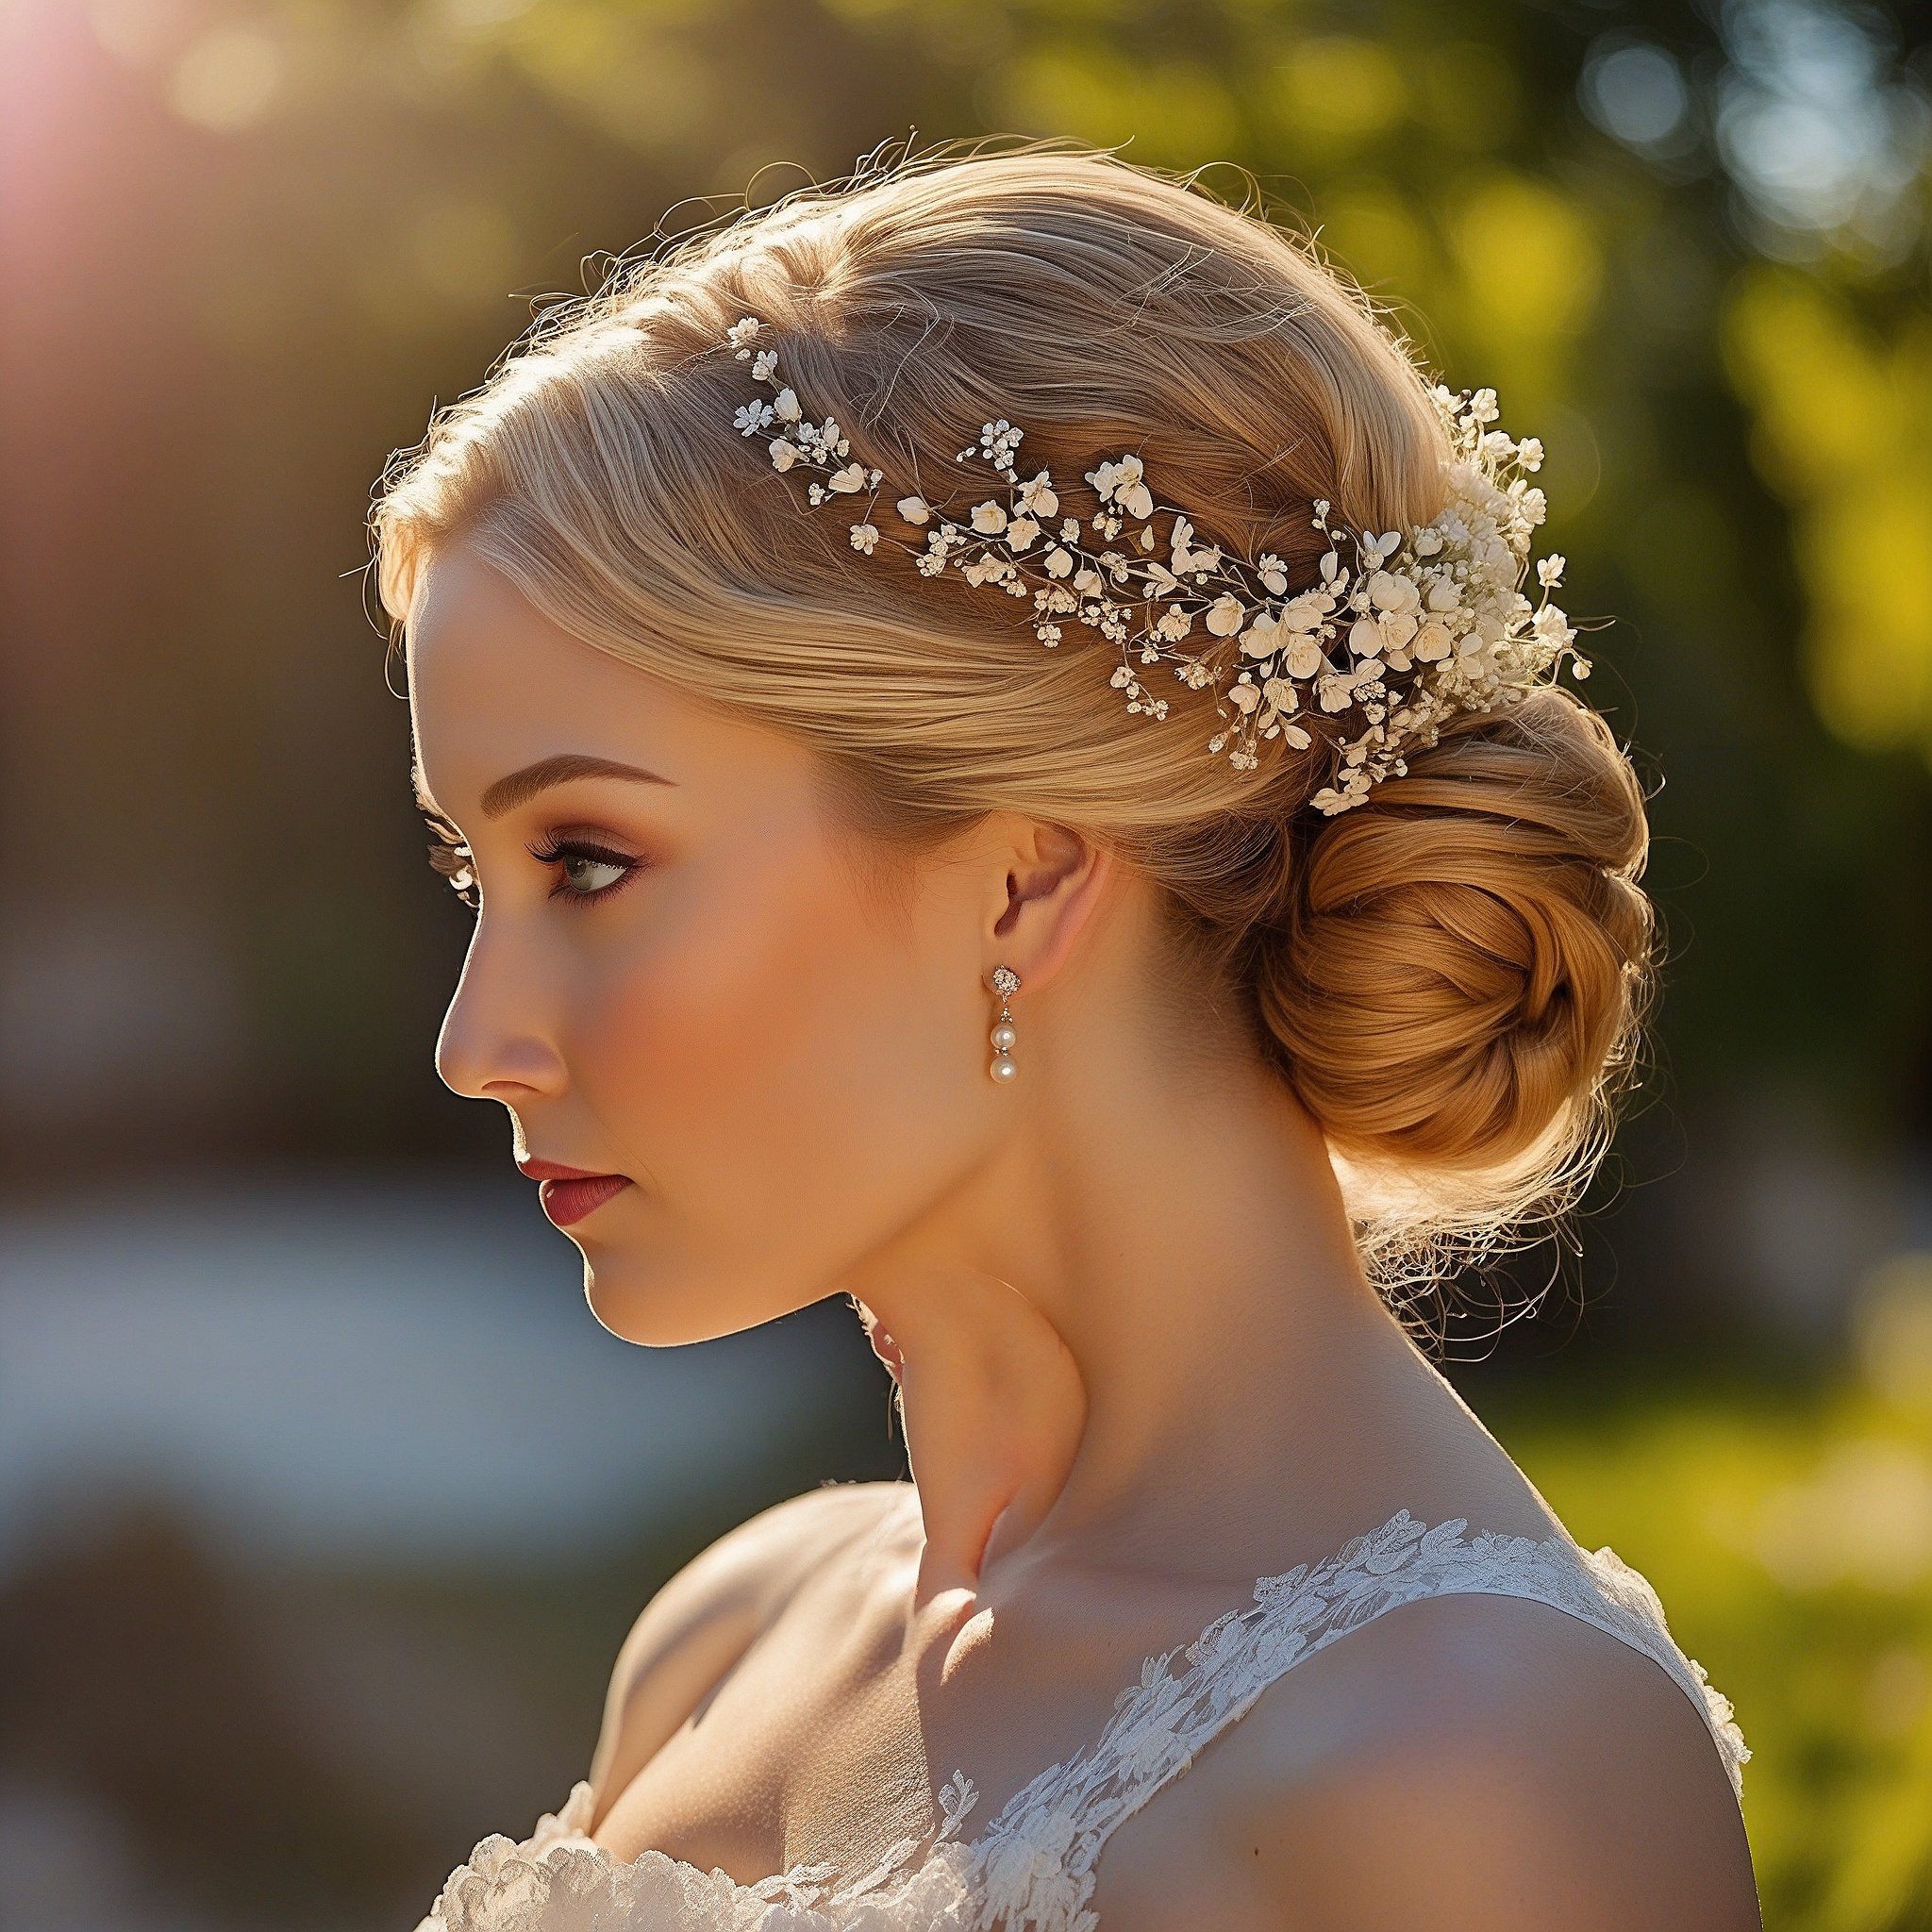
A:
1464	961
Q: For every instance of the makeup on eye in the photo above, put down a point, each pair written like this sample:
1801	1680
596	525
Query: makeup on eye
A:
588	868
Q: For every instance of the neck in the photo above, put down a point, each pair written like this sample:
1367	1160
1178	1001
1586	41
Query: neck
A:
1143	1324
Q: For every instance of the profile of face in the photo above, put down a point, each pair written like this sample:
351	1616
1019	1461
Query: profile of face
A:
743	1046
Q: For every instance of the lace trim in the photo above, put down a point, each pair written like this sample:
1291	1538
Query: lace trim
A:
1034	1868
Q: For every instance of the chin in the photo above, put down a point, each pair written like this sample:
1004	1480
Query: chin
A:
659	1306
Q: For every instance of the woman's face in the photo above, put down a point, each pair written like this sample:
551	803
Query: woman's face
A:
760	1037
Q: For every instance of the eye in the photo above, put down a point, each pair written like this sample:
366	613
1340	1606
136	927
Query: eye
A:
588	877
585	872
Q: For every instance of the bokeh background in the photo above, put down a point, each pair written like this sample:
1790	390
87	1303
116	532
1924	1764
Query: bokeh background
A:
323	1501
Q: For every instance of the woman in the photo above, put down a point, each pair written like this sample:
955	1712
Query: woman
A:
1009	775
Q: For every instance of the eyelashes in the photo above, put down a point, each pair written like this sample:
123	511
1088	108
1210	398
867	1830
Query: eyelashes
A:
587	871
450	856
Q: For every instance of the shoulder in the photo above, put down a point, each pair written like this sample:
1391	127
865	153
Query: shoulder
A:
1471	1762
697	1627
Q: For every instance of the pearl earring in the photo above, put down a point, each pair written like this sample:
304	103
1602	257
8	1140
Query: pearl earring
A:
1006	982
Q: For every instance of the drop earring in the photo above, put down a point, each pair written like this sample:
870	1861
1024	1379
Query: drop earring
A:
1006	982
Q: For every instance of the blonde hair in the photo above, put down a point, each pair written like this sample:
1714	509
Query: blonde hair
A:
1450	977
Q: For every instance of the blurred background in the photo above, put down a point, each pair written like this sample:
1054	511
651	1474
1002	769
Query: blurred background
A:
324	1503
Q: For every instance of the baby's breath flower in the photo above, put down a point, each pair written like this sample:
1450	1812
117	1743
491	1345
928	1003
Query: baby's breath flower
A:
1424	623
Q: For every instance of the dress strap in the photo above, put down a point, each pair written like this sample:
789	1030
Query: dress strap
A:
1034	1867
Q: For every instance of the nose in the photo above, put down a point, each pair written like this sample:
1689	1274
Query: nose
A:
494	1045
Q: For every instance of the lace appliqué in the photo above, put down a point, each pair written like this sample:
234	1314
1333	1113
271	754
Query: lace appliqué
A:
1033	1868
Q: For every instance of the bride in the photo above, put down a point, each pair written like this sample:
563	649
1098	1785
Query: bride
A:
994	726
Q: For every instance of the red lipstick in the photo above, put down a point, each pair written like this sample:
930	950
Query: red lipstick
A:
570	1193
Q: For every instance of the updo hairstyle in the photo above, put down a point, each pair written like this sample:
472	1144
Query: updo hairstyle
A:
1450	977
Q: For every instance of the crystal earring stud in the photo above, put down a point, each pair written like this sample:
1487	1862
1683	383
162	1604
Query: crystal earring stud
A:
1006	982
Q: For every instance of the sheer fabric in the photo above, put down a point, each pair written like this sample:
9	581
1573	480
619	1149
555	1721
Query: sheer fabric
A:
1033	1867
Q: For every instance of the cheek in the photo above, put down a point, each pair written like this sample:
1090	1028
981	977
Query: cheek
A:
788	1070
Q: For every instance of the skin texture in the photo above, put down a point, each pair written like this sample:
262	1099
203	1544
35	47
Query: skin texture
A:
1138	1361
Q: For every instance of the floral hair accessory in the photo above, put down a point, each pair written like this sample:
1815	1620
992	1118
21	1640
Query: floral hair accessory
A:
1398	631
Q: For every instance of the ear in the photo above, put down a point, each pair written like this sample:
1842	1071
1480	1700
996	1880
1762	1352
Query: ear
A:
1055	880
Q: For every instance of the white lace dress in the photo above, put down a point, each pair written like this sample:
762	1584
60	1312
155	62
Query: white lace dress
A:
1033	1868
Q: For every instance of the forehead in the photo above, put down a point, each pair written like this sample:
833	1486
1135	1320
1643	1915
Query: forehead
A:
494	686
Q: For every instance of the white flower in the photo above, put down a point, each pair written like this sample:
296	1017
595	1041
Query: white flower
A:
1336	691
1444	594
1365	637
1529	453
1021	533
913	509
865	538
784	454
846	481
1274	578
1121	483
1431	643
1553	626
1482	407
1303	657
764	365
1264	637
1397	627
1295	735
1308	612
1549	572
1038	496
1225	616
1427	542
1281	694
752	417
1389	590
989	519
1244	697
785	405
1173	625
1060	562
1087	580
742	333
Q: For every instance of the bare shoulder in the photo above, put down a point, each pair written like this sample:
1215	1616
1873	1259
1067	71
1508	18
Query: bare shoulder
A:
692	1633
1473	1762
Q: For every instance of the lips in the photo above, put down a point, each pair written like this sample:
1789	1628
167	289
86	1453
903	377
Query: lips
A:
568	1194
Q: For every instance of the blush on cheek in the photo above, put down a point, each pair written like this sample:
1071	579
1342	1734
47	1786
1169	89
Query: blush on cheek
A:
775	1078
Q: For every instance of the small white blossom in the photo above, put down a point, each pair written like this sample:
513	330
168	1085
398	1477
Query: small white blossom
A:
1037	497
752	417
1549	572
742	333
1529	453
1060	562
848	480
764	365
784	454
913	509
1021	533
785	406
1244	695
865	538
989	519
1225	616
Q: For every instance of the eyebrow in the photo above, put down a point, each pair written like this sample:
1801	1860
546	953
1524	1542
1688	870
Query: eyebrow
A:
520	787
